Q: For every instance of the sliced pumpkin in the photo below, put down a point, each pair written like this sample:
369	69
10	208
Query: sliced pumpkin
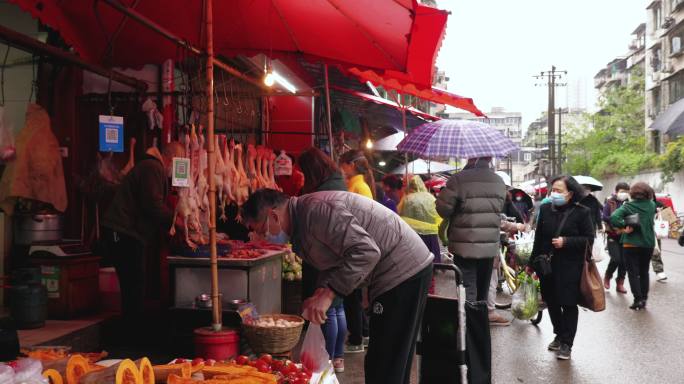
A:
124	372
163	372
53	376
77	366
146	370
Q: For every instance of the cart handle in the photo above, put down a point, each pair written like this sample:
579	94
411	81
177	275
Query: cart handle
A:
450	267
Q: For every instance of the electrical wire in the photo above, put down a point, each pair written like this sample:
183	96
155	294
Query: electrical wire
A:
2	75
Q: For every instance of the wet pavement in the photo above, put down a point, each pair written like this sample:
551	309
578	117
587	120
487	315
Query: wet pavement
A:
617	345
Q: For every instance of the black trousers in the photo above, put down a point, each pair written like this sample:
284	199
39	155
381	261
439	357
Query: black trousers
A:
638	261
128	255
564	320
617	260
394	325
476	276
357	319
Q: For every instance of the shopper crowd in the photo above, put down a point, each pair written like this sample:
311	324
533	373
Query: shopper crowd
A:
368	248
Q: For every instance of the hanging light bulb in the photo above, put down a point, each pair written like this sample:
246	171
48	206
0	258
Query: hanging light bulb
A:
369	144
382	163
269	79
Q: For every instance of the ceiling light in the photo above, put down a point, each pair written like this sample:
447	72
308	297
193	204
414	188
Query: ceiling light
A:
382	163
369	144
269	79
283	81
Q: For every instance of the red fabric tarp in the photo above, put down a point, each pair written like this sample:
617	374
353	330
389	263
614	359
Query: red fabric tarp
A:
401	36
406	85
380	100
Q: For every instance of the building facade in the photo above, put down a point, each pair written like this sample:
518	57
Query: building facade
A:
665	61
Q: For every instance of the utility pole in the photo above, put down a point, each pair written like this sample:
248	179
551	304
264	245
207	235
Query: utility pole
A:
551	77
560	139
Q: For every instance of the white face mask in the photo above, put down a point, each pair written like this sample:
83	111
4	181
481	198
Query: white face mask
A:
622	196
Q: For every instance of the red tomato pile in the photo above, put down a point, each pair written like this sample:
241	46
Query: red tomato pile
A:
287	371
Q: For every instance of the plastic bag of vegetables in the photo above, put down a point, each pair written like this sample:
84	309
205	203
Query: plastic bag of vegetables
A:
525	304
524	242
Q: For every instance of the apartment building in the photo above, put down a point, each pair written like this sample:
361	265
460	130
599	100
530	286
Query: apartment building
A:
665	61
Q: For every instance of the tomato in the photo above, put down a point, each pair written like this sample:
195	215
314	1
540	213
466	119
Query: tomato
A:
303	375
210	362
179	361
242	360
197	361
262	366
289	369
277	365
266	358
301	381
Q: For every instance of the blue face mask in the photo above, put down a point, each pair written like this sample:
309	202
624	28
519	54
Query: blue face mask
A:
558	199
279	238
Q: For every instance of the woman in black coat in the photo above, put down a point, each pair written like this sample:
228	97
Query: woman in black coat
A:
560	288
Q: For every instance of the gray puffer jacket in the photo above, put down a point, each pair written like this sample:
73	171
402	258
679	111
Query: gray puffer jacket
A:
352	239
472	202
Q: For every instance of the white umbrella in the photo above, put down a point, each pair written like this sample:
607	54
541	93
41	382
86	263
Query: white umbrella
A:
389	143
590	182
420	167
505	177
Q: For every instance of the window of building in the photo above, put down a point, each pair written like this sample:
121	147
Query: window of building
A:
676	83
657	59
657	100
657	17
527	156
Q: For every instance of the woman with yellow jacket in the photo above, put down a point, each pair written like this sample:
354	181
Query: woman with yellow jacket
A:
418	209
358	173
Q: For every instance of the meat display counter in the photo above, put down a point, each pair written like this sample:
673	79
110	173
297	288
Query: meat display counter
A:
257	280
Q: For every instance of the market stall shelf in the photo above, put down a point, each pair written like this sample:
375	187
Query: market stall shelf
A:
256	280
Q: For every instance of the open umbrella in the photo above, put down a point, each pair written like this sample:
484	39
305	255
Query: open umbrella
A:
505	177
457	138
389	143
421	167
593	184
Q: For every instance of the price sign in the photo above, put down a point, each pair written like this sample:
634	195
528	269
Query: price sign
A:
181	172
111	133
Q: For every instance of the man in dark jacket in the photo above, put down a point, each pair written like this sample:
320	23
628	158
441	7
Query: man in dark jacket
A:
472	202
617	261
133	221
353	240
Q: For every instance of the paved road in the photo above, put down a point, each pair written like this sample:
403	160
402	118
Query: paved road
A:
617	345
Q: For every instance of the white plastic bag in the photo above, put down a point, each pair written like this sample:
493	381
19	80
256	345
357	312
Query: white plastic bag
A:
599	251
326	376
525	303
661	227
313	355
6	374
524	242
29	371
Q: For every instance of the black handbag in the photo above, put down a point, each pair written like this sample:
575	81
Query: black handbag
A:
633	221
542	263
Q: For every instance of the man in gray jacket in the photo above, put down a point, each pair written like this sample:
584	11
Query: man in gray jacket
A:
472	202
354	240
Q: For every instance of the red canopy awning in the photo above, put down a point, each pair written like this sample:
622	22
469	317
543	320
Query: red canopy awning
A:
404	85
380	100
402	36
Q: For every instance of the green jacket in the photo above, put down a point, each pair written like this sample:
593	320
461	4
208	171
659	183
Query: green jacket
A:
643	237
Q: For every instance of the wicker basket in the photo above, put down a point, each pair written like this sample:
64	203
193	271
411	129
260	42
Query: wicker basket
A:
274	339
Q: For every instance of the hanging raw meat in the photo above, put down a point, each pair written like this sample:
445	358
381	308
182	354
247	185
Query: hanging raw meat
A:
188	209
251	168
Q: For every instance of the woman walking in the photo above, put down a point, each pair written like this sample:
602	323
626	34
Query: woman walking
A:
617	261
638	239
565	231
322	174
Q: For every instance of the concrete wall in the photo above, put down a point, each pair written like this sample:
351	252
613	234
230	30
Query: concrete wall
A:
675	188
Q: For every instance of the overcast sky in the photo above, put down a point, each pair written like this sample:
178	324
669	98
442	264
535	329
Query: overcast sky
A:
493	48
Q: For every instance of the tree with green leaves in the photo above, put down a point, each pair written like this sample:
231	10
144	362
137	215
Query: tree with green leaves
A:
614	141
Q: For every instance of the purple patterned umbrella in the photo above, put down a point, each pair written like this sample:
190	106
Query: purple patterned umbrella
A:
465	139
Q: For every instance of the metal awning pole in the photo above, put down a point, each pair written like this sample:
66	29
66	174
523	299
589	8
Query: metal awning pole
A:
135	15
328	112
29	44
211	150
